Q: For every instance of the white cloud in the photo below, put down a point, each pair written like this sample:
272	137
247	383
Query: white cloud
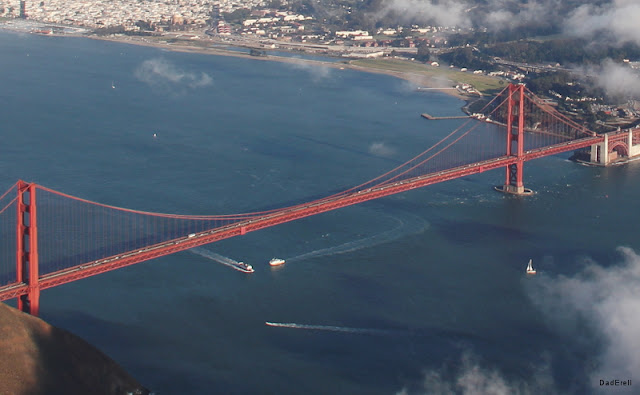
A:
619	18
317	73
619	79
596	313
511	13
159	73
615	78
444	12
587	20
381	149
600	306
473	379
496	15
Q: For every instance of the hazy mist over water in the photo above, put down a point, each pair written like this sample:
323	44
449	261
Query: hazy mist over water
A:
421	292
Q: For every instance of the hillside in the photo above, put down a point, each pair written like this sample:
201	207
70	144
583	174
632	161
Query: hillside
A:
37	358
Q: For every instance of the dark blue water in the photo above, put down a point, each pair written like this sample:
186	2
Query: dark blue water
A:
419	292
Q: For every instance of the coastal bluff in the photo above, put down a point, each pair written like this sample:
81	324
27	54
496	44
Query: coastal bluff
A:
37	358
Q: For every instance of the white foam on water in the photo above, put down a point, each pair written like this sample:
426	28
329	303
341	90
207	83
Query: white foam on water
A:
407	225
330	328
203	252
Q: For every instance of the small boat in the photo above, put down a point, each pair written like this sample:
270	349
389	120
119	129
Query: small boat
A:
243	267
276	262
530	269
113	86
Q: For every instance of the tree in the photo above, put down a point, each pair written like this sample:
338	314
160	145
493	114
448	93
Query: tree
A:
144	25
423	55
400	42
467	57
236	16
275	4
105	31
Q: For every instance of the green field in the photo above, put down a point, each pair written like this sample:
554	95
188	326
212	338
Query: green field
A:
484	84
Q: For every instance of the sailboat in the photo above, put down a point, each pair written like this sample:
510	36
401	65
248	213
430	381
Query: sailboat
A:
530	269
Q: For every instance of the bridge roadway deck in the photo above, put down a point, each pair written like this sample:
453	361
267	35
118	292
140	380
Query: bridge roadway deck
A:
286	214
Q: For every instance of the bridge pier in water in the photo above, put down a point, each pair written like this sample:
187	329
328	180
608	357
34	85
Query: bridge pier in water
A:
616	147
515	142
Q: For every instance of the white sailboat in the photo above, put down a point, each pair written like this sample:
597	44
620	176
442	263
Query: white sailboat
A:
530	269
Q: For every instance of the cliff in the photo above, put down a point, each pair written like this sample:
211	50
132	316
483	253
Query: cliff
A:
37	358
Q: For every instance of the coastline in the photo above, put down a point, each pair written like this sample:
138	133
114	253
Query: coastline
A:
38	358
422	81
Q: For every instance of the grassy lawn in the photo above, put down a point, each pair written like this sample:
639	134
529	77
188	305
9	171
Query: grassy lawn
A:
483	83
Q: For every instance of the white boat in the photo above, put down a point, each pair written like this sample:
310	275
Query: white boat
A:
243	267
113	86
530	269
276	262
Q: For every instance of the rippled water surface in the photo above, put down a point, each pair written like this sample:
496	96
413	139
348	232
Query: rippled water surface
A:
408	292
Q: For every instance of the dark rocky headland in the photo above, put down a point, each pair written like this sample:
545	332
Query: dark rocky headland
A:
37	358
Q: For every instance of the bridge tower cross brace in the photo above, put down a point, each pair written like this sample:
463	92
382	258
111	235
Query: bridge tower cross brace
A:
27	248
515	140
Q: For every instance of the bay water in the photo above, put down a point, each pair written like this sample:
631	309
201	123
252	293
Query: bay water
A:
420	292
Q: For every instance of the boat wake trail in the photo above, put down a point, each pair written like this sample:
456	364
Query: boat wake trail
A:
407	225
203	252
438	334
329	328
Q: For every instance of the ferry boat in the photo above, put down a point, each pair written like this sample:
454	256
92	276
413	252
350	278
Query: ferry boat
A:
530	269
276	262
243	267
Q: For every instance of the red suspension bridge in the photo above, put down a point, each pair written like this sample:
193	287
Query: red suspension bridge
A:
49	238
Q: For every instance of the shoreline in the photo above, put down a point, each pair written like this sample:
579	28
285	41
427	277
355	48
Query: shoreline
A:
210	46
421	81
346	64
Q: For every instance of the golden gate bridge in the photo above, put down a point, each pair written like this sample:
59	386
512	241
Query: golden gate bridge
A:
49	238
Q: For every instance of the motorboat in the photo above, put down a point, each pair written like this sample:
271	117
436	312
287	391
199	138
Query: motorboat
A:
276	262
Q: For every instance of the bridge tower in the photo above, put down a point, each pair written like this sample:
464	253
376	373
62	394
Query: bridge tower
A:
515	142
27	248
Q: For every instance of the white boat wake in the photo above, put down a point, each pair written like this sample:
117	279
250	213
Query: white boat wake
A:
408	225
443	334
329	328
203	252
